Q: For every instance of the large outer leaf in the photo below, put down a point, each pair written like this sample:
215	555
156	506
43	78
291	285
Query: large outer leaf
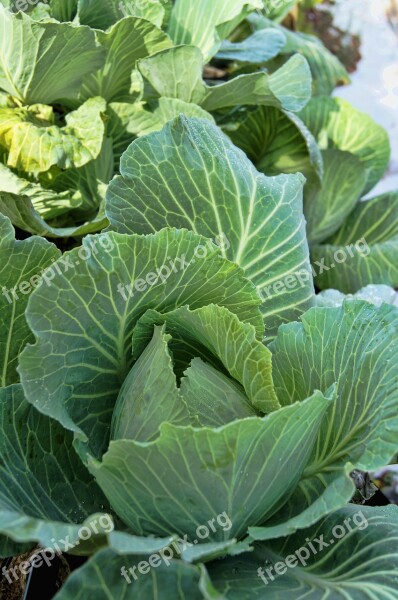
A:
337	124
35	143
369	242
326	69
276	141
289	88
360	565
54	61
126	42
101	14
45	491
244	469
74	372
101	578
20	264
354	346
177	73
190	175
257	48
206	23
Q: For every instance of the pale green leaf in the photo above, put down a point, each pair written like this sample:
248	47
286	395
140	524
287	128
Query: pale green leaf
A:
48	203
326	69
190	175
204	24
126	543
125	43
205	552
215	334
168	109
129	121
376	294
257	48
176	73
234	471
39	11
211	397
54	61
278	9
288	88
35	142
21	211
149	395
86	186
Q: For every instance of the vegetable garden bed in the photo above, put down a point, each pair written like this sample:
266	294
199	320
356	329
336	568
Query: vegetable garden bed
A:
199	330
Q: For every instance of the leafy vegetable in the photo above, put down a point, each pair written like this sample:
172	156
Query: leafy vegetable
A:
84	89
162	185
177	405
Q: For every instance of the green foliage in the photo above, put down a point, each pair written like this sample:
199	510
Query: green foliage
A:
170	381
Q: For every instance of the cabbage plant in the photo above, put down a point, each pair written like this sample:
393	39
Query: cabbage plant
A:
177	405
121	70
90	79
147	385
